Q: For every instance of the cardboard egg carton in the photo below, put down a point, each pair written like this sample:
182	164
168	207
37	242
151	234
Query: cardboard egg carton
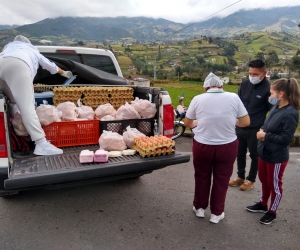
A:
153	142
155	152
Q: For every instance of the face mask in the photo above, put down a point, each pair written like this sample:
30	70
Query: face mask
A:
255	79
273	100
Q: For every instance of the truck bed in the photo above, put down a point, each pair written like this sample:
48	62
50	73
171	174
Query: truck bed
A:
62	169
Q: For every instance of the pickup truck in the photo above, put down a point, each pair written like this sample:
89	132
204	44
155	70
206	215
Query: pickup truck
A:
23	172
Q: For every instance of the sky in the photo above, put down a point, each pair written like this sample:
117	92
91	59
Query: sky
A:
22	12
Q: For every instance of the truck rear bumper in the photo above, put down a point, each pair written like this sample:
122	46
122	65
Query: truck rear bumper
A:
45	170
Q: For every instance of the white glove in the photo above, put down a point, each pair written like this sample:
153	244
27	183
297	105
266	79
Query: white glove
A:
67	74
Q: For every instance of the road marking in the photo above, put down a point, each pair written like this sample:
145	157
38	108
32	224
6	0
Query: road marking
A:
294	153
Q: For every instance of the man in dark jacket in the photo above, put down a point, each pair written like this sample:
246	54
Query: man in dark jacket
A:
254	93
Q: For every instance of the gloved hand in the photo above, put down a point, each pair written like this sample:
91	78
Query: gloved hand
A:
67	74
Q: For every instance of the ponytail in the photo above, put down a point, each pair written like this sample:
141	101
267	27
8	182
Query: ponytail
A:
294	96
290	87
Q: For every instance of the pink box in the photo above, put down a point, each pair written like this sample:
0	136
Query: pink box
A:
101	156
86	156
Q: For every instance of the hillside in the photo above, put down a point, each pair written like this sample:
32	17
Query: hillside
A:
197	56
5	27
62	30
274	19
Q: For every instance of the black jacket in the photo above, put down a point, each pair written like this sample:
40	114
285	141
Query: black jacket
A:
255	99
280	127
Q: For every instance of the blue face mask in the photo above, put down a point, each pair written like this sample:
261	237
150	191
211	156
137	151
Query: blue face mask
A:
273	100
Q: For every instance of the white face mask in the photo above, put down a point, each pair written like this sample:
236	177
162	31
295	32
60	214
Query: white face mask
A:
255	79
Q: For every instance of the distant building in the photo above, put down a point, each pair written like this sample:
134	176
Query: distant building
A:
268	75
45	41
140	81
225	80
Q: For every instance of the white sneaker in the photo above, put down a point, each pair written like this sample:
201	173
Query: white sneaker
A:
46	148
216	218
199	212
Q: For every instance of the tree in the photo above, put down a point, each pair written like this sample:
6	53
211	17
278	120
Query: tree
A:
271	58
178	71
145	71
200	60
229	50
159	53
260	56
295	62
80	43
138	66
210	40
231	61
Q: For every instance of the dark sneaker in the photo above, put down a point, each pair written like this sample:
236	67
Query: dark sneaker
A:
268	218
257	208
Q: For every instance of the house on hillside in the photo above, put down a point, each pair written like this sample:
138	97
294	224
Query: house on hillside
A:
140	81
269	74
225	80
45	41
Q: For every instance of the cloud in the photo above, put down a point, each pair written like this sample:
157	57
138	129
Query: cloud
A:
17	12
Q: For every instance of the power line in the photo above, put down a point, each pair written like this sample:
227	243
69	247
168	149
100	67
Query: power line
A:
205	18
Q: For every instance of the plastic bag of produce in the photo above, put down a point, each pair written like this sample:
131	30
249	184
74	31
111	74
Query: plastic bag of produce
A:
48	114
18	125
127	112
86	112
69	111
111	141
108	118
129	136
145	108
105	109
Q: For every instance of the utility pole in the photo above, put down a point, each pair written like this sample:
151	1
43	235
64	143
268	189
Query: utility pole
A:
154	69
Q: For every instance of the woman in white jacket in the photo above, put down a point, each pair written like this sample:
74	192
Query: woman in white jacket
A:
19	62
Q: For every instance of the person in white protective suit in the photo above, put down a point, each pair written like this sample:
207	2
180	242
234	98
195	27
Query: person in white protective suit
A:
19	62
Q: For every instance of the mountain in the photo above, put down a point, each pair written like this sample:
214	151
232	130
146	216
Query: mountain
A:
74	27
5	27
284	19
65	30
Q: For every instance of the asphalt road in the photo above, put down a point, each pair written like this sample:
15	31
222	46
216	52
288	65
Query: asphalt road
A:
151	212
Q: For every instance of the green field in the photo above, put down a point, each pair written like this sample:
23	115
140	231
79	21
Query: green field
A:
182	53
190	90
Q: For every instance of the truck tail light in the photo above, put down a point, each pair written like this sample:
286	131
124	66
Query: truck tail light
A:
168	121
3	144
69	51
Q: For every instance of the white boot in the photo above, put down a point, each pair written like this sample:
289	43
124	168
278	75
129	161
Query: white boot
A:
46	148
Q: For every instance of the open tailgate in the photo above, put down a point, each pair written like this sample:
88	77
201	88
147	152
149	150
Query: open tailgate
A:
45	170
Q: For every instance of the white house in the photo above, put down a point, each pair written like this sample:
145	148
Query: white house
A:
142	82
225	80
45	41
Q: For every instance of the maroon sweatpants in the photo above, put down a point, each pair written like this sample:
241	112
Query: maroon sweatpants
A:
213	161
270	176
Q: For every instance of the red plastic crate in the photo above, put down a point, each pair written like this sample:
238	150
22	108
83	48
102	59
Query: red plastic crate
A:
73	133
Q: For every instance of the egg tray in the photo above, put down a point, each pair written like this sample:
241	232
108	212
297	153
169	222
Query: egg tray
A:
154	152
153	142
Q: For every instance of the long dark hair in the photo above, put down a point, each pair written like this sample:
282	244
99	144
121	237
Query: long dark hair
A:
290	87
